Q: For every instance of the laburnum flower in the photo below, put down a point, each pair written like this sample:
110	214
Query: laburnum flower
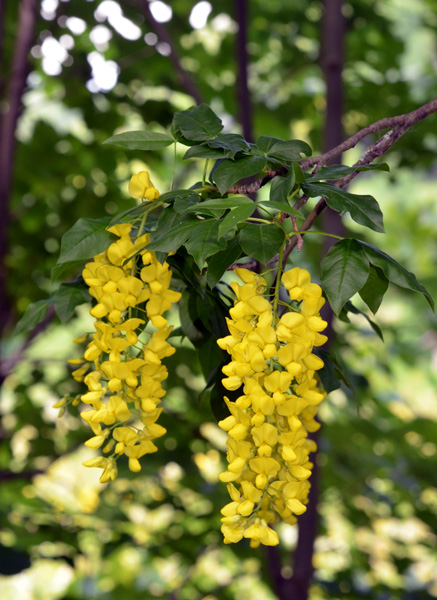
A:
141	186
273	364
122	363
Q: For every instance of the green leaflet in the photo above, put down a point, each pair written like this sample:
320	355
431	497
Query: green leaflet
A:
363	209
67	297
141	140
374	289
394	271
229	172
218	263
345	270
203	241
34	314
85	239
261	242
197	124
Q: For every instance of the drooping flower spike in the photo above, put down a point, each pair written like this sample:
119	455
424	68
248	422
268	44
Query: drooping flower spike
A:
122	365
268	448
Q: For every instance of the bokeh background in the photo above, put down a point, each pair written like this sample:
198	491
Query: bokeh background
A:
99	67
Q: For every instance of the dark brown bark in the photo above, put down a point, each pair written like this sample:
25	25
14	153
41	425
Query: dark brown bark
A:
332	59
28	11
243	94
333	30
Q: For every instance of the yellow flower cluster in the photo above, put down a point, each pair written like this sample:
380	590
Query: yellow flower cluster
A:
268	447
123	371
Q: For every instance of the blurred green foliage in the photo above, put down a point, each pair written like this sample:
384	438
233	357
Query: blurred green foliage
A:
156	534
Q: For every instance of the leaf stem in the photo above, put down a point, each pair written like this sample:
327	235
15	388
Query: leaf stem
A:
174	167
205	169
278	281
260	220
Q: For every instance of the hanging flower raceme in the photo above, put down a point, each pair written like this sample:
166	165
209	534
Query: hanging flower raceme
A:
268	447
122	364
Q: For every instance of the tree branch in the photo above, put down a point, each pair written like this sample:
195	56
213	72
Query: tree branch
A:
163	35
407	120
401	123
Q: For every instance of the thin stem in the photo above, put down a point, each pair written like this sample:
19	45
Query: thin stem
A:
255	219
205	170
278	282
174	168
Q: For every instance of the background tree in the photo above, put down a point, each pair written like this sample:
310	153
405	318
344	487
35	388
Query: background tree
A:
371	499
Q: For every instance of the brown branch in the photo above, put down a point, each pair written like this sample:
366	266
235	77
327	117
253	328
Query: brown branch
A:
402	122
407	119
163	34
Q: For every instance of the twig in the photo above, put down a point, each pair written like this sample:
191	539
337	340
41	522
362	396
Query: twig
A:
162	33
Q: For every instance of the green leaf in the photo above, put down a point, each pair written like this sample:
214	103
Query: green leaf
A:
141	140
230	142
261	242
339	171
213	313
218	264
266	142
298	173
349	307
204	151
281	187
395	272
203	241
191	325
374	289
290	151
210	356
235	216
197	124
283	207
67	297
85	239
172	231
183	202
363	209
345	270
173	195
229	172
225	145
65	270
221	203
34	314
